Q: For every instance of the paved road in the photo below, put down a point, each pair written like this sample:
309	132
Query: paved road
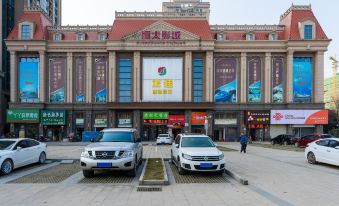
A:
276	177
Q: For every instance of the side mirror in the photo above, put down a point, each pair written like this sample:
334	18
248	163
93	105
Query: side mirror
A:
19	148
177	145
92	139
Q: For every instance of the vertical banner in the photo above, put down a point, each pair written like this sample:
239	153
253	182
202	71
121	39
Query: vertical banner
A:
277	80
225	80
80	68
57	68
254	79
100	65
29	80
302	79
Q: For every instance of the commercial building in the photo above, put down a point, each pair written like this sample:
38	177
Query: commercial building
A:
164	72
331	90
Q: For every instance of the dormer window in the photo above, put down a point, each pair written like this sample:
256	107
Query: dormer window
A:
308	32
307	29
80	36
57	37
250	37
220	37
273	36
102	36
26	32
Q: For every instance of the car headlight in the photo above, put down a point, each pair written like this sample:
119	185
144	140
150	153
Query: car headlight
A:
186	156
126	154
221	156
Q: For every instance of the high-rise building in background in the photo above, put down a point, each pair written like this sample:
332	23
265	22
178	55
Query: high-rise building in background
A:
331	92
194	7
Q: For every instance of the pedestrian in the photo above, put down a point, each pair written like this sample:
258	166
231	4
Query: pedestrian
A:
3	136
243	142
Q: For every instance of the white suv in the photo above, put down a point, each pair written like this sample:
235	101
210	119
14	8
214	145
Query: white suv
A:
196	152
113	149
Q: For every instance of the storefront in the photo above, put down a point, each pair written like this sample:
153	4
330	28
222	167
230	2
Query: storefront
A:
124	119
79	124
176	123
24	122
258	125
198	122
154	123
226	127
100	122
53	122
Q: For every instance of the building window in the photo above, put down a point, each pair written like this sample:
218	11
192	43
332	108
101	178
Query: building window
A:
308	29
250	37
125	80
102	37
198	80
25	32
220	37
81	37
57	37
274	36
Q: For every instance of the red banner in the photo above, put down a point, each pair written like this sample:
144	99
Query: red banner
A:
176	121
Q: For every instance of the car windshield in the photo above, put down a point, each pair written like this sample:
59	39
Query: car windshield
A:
6	144
163	135
196	142
326	136
115	137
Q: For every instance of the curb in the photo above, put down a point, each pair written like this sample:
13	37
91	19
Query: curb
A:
154	182
237	177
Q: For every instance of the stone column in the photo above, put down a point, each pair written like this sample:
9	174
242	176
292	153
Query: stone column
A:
69	78
319	78
42	76
136	77
112	77
243	79
188	77
289	77
209	76
14	78
267	76
89	74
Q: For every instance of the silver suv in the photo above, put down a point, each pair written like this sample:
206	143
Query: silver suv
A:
113	149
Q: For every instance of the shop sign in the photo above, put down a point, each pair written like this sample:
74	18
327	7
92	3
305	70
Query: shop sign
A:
176	121
160	35
258	117
307	117
23	115
162	79
80	121
198	118
156	121
155	115
125	123
53	117
100	123
225	121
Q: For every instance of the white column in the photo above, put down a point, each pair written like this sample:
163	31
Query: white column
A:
243	79
112	77
42	76
14	77
136	77
319	78
89	74
267	76
289	77
188	77
69	78
209	76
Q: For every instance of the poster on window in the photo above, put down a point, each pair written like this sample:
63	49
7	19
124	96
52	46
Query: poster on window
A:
302	79
162	79
80	79
254	79
100	65
225	80
57	68
277	80
29	80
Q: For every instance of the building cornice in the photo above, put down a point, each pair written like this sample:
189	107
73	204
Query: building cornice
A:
247	28
80	28
160	15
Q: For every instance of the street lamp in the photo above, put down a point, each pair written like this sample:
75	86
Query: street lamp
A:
250	119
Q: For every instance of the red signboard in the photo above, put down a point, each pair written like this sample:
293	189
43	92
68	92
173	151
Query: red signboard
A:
176	121
198	118
160	35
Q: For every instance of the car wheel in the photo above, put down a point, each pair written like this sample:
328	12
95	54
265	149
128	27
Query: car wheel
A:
172	158
42	158
272	142
133	172
181	171
140	160
285	143
88	173
311	158
7	167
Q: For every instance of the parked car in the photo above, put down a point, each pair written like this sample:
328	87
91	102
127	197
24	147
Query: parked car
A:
192	152
15	153
112	149
323	150
303	141
164	139
285	139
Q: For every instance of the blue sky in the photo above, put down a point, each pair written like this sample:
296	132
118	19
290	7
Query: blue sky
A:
222	12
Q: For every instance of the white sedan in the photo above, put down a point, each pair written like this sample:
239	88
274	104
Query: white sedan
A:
16	153
323	150
164	139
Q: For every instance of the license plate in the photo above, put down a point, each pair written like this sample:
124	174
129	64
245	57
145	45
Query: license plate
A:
103	164
206	165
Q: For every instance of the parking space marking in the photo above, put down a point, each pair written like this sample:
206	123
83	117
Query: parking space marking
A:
269	196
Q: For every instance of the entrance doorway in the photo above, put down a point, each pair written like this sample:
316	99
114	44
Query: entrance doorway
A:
151	132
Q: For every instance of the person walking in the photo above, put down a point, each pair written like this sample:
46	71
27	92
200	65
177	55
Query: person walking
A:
243	142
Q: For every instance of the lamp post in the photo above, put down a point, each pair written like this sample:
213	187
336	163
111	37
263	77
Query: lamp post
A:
250	119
